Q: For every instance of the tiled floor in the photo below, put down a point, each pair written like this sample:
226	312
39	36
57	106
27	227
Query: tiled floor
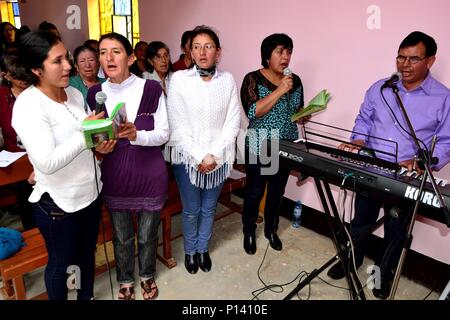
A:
236	275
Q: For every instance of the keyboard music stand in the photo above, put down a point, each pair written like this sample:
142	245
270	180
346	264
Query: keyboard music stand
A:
427	161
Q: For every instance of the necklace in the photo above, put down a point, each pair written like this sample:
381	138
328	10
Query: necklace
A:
65	105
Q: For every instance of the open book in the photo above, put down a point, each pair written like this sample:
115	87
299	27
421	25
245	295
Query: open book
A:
318	103
97	131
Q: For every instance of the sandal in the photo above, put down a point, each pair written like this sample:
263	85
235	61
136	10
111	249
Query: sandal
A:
126	293
149	289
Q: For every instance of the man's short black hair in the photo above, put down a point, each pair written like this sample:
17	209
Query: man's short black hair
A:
416	37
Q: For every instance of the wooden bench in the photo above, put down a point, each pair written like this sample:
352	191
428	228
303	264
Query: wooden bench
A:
34	254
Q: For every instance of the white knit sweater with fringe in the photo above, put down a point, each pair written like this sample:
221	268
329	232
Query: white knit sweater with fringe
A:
204	118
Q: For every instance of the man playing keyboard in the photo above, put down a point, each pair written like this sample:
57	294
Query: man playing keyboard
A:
427	102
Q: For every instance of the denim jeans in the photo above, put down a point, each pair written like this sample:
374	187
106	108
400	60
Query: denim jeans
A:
199	207
124	247
70	239
256	185
366	214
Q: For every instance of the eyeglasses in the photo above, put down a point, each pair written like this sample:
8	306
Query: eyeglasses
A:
198	47
413	60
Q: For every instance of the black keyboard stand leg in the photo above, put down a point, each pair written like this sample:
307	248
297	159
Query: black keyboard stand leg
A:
311	276
340	241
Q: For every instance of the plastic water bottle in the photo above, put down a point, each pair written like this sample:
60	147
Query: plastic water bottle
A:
297	214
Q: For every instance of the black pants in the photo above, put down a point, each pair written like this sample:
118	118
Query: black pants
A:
24	190
396	218
71	240
22	207
255	187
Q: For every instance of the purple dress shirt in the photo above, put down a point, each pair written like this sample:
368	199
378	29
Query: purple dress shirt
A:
428	108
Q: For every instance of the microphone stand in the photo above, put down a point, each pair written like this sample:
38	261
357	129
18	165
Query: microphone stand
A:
425	158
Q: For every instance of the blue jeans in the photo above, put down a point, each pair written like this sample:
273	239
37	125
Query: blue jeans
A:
70	239
124	248
199	207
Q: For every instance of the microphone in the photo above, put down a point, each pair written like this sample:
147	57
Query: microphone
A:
389	83
100	98
287	72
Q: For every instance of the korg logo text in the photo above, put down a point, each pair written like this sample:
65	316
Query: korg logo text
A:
427	197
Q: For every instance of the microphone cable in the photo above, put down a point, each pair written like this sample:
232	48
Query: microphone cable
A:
102	223
406	131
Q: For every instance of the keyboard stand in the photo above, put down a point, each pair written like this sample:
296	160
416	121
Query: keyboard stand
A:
341	243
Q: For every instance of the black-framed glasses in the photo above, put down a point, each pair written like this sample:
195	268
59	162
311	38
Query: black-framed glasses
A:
413	59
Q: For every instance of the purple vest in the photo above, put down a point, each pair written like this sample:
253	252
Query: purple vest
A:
135	177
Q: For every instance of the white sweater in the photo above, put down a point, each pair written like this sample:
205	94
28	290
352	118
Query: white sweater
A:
52	136
130	91
204	118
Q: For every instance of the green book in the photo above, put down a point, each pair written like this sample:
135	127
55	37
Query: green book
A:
318	103
97	131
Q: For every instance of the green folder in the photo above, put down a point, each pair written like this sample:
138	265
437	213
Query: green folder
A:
97	131
318	103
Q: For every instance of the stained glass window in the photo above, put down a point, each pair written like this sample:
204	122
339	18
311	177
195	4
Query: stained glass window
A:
10	12
15	7
122	7
121	16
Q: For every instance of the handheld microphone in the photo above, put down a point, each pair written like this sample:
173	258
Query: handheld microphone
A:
100	98
287	72
390	83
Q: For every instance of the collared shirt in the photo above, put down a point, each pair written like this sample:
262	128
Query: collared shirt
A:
154	76
130	91
428	108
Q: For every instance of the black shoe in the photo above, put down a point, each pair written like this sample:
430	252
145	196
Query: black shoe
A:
336	272
191	263
274	241
250	243
384	290
204	261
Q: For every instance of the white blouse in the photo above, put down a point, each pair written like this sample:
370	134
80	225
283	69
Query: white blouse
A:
51	134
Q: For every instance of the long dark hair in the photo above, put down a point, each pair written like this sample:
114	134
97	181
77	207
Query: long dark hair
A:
33	51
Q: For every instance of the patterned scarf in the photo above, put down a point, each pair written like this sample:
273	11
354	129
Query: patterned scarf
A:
206	72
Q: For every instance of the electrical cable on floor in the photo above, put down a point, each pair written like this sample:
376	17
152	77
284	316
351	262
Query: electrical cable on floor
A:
332	285
256	293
